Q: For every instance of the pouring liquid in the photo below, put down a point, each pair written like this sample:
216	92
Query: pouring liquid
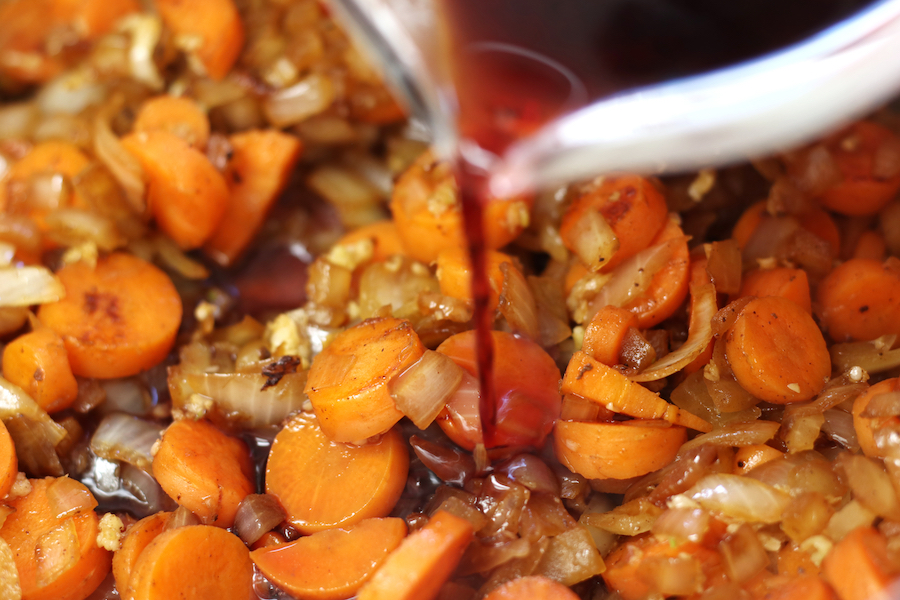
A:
519	64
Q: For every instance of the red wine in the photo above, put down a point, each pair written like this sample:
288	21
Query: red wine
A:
518	64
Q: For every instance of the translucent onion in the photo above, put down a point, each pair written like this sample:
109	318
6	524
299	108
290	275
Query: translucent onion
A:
148	494
72	226
16	120
740	497
886	404
517	304
801	472
145	30
870	485
24	286
34	449
256	515
70	93
57	551
449	464
421	391
875	356
632	518
838	426
126	395
240	397
735	434
682	524
672	576
800	432
703	307
15	402
67	497
126	438
724	266
182	517
744	556
310	96
633	276
532	472
593	240
571	557
124	167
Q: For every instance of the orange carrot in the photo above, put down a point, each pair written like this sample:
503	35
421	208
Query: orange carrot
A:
785	282
186	194
866	426
669	287
756	343
604	334
204	470
323	484
816	221
750	220
196	562
526	392
858	567
9	465
606	386
56	551
215	24
384	237
177	115
117	319
418	568
136	539
534	587
348	381
858	299
268	539
804	587
631	206
426	209
454	273
331	564
747	458
259	170
865	185
38	363
618	450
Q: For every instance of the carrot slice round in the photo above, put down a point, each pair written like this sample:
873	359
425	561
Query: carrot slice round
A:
534	587
136	539
331	564
38	363
117	319
860	299
9	464
323	484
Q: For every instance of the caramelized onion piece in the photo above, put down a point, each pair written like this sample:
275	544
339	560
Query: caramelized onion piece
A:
450	464
24	286
532	472
740	497
68	497
421	391
517	304
256	515
735	434
127	438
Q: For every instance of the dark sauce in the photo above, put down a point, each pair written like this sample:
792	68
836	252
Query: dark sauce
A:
518	64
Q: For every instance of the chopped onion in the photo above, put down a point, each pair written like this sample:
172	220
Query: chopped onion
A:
724	266
837	391
146	490
34	449
310	96
126	438
240	397
633	276
463	407
145	30
481	557
744	556
16	120
682	524
680	575
532	472
740	497
517	304
72	226
124	167
71	93
67	497
875	356
15	402
56	551
839	427
735	434
421	391
632	518
703	307
24	286
125	395
799	473
182	517
886	404
684	472
870	485
449	464
571	558
594	241
256	515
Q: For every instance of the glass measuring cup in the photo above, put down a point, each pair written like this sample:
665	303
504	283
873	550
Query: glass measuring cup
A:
727	115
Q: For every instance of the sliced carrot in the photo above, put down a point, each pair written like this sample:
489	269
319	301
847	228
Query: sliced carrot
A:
348	381
625	566
750	220
427	211
669	287
38	363
57	557
324	484
204	470
186	194
177	115
756	343
858	299
136	539
117	319
384	237
331	564
816	221
9	464
865	426
196	562
604	334
454	273
804	587
618	450
858	567
526	392
631	206
747	458
423	562
608	387
863	189
534	587
215	24
259	170
785	282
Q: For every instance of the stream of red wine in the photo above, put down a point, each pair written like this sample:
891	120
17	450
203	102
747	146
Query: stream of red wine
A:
518	64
